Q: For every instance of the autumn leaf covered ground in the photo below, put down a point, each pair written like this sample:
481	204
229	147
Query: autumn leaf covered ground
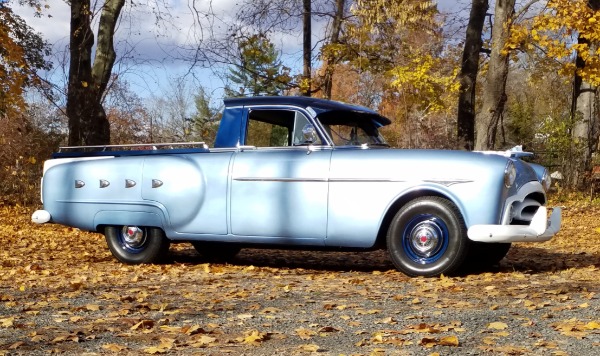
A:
62	292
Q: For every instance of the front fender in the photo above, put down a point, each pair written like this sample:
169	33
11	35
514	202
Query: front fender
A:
466	195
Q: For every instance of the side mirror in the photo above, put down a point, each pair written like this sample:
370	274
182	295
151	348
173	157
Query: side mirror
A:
310	134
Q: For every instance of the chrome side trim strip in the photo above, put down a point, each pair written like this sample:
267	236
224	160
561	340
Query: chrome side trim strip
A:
258	179
446	183
365	180
332	180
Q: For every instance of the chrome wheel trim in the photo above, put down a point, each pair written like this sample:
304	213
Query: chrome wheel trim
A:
133	238
425	238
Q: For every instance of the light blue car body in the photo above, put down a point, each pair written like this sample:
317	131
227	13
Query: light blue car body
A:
318	194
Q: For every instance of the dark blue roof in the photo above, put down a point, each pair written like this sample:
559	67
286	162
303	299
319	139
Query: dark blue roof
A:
318	105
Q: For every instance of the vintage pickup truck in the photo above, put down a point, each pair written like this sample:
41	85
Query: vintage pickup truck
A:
298	172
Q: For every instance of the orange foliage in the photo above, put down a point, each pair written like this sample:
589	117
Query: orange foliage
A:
12	68
23	149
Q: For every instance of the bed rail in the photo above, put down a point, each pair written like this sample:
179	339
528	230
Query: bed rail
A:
137	149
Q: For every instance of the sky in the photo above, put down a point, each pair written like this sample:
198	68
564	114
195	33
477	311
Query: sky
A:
148	49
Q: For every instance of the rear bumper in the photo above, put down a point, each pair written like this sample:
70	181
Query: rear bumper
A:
540	229
40	217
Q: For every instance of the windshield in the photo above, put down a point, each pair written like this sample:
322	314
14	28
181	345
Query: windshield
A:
353	133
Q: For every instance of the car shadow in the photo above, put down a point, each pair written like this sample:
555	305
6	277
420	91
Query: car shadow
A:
519	259
292	259
540	260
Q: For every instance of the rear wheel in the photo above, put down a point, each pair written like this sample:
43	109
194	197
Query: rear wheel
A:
215	251
135	244
427	237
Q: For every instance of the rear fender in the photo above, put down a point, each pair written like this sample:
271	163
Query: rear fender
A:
137	218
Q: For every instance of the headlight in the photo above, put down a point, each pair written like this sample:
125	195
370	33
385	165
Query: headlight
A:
546	180
510	174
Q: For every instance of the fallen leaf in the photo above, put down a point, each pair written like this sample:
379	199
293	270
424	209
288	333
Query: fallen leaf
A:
192	330
16	345
592	325
270	310
449	341
428	342
7	322
114	347
144	324
170	329
489	340
309	348
497	325
305	334
255	337
328	329
155	350
203	340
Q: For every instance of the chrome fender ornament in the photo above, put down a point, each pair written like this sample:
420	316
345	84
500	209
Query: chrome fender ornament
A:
156	183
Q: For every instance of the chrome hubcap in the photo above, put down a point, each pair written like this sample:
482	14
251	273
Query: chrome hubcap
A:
133	237
425	239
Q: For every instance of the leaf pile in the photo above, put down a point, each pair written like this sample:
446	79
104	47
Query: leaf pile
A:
62	292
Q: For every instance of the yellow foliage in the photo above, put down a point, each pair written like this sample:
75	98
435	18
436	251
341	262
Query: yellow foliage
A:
556	31
422	75
405	13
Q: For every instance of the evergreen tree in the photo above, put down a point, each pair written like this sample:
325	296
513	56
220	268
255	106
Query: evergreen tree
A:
205	122
258	70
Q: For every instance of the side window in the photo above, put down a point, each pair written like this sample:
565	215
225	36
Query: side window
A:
275	128
265	134
269	128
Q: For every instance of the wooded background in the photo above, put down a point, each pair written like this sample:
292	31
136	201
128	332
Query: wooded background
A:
512	73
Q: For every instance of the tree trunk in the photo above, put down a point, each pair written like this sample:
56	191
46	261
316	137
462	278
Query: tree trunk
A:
306	46
584	112
494	95
468	75
336	29
88	81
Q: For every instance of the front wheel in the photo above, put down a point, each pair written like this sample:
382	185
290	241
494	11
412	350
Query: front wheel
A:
427	237
135	245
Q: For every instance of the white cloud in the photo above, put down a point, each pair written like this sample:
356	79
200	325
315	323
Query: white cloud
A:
151	36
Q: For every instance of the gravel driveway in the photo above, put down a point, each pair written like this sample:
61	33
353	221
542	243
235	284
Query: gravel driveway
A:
62	292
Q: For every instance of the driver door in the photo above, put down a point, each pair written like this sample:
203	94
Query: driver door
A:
279	187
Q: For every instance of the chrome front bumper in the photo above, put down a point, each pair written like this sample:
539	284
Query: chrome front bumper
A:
539	230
